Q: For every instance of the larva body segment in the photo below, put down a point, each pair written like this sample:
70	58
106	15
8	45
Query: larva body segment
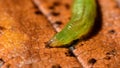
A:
83	17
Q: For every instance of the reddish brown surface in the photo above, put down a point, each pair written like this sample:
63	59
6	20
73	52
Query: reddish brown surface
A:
118	2
24	32
57	11
102	48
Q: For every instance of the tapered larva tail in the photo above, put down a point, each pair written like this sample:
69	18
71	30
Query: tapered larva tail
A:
83	17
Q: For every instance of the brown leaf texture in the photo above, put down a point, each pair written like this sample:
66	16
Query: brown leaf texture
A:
24	32
102	48
58	12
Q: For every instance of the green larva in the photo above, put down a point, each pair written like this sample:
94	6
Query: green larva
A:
83	17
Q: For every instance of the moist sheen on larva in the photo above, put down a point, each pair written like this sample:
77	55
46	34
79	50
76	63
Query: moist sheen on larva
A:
83	17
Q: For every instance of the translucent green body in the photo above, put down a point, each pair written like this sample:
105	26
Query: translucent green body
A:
83	17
